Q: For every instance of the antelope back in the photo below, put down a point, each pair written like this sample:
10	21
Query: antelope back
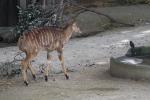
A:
45	37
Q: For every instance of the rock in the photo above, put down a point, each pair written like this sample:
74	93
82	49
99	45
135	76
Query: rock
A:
90	23
6	34
9	69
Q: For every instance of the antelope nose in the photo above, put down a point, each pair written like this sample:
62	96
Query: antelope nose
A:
79	31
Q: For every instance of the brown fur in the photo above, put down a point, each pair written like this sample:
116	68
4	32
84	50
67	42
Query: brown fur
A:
45	38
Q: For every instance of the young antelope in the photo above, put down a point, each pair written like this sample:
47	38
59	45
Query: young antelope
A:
44	38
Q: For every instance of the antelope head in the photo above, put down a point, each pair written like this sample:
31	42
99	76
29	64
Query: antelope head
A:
76	28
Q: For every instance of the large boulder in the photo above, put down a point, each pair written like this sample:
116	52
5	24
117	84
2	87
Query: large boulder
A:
90	23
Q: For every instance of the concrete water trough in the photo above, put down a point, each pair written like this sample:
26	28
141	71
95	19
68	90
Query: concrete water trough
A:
134	65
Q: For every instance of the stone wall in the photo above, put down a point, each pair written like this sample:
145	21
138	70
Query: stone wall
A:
111	2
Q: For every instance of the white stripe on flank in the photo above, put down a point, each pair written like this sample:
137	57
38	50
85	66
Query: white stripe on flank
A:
47	38
31	35
35	39
29	42
52	40
42	38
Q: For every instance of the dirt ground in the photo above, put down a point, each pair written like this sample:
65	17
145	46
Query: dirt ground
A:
92	83
88	58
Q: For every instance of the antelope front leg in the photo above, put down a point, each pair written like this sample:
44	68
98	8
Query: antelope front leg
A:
29	58
25	65
61	58
48	66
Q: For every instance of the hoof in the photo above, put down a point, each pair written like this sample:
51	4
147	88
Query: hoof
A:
46	78
34	77
67	77
26	83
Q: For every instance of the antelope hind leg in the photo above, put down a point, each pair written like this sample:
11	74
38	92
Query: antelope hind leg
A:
30	57
24	72
32	71
48	66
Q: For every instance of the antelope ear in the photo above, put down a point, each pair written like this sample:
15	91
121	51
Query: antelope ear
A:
73	24
71	21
